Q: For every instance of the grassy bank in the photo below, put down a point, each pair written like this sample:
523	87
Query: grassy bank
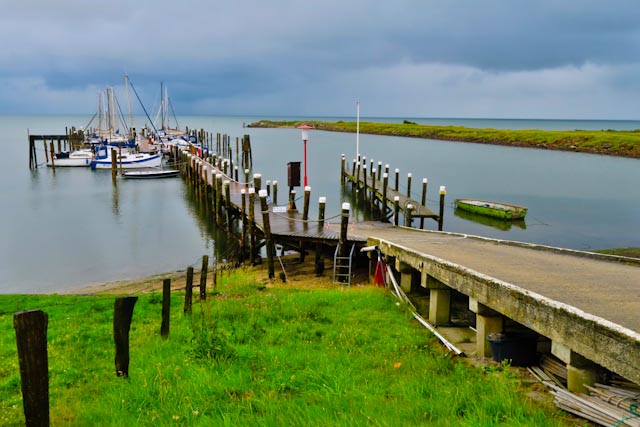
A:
609	142
256	355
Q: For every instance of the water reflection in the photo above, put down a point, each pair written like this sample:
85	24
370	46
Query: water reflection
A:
115	201
489	221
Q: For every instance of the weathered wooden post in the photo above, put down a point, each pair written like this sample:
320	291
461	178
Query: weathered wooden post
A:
408	219
252	226
396	210
397	179
268	188
114	170
322	203
353	168
203	277
53	156
243	216
364	181
166	308
267	232
379	169
358	177
373	188
31	340
275	193
292	201
188	292
246	177
424	199
119	158
227	203
218	198
342	166
46	150
409	185
123	313
319	264
371	169
385	185
307	198
257	182
386	168
443	192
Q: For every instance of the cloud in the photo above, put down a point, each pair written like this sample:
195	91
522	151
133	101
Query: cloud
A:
289	57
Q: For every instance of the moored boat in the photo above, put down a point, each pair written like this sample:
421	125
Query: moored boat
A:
150	173
125	160
78	158
493	209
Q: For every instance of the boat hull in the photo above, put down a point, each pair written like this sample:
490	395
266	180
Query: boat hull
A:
493	209
150	174
136	162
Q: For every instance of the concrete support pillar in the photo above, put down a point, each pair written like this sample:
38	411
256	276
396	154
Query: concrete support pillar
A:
439	306
580	371
407	276
488	321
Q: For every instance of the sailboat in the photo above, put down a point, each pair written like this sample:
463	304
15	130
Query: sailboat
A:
124	160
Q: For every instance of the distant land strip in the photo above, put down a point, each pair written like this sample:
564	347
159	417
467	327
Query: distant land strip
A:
621	143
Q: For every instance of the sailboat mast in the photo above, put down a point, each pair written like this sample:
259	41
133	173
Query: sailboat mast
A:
99	113
163	113
126	85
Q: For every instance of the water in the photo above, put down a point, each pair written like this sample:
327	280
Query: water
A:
70	228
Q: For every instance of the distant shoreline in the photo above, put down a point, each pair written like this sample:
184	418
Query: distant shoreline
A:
618	143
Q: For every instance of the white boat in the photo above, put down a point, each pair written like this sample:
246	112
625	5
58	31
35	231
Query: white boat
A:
125	159
150	173
78	158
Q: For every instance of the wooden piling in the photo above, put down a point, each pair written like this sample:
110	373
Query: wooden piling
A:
396	210
322	203
409	185
267	233
218	198
397	179
423	200
166	308
235	173
243	215
257	182
227	203
53	156
344	225
307	198
364	181
292	201
268	188
203	277
46	150
379	169
385	184
373	189
252	226
408	217
123	313
275	193
443	192
114	166
31	339
342	166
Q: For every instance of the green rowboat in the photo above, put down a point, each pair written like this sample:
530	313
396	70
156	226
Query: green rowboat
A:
493	209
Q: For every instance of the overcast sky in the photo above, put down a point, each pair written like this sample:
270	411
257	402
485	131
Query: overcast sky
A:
402	58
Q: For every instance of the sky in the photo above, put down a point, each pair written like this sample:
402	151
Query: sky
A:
550	59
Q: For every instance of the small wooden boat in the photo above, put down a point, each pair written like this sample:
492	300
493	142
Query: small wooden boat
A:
150	173
492	209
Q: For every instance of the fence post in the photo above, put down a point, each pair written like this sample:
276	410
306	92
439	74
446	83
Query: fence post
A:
31	339
203	277
166	308
188	293
123	312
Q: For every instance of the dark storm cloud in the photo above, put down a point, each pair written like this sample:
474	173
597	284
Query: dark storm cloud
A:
260	56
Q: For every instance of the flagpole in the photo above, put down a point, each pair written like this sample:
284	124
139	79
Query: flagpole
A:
358	131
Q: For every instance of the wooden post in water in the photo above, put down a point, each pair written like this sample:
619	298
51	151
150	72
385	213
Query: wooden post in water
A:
53	156
267	232
379	169
322	203
123	313
275	193
46	150
292	201
364	181
114	166
235	173
166	308
203	277
31	340
385	184
243	216
59	145
409	185
371	169
214	194
408	218
423	200
257	182
396	210
443	192
120	157
218	198
227	203
307	199
353	168
397	179
342	166
268	188
252	226
373	188
358	177
386	168
188	293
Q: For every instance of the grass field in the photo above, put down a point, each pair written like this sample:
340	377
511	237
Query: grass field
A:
259	355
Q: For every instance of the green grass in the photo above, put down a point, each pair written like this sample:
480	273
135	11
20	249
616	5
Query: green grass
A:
251	356
610	142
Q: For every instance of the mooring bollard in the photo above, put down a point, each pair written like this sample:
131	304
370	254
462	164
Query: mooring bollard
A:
423	200
257	181
343	161
408	219
203	277
397	179
268	187
31	340
443	192
379	169
166	308
322	203
385	185
123	313
267	232
292	201
409	185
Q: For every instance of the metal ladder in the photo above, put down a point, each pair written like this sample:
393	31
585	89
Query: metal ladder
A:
339	269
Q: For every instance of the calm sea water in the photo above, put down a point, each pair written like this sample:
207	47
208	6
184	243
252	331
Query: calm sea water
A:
70	228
